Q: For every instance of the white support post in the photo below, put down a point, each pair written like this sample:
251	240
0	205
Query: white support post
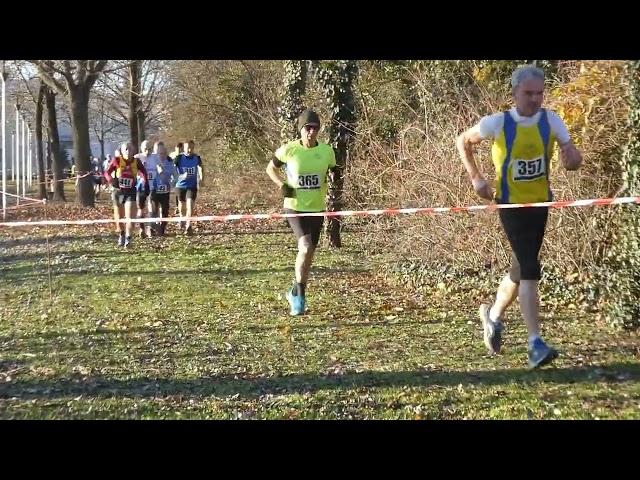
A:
17	177
24	157
4	144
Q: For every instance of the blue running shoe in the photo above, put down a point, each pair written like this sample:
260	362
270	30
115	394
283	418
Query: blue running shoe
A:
541	354
296	302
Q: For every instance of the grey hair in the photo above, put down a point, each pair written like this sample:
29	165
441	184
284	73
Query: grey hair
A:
525	72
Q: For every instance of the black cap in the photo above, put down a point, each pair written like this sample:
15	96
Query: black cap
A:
308	117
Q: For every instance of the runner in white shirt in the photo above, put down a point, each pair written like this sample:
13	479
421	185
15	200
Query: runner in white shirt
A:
164	176
141	198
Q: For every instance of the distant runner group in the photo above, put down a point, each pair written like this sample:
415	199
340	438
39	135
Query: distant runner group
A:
146	179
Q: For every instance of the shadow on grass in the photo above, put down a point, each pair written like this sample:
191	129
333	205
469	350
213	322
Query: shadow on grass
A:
57	335
27	271
42	240
251	388
43	255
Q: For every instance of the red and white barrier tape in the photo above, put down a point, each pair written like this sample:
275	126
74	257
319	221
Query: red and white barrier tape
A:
344	213
31	203
68	179
20	196
35	200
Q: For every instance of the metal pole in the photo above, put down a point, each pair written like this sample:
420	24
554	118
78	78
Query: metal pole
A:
24	158
17	176
13	156
30	156
4	144
27	170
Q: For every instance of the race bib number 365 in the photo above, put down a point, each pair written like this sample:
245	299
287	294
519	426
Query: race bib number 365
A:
527	170
311	181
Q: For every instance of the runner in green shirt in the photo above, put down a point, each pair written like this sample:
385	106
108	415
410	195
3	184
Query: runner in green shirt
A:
306	162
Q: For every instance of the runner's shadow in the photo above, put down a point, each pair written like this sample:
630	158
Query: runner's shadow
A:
249	387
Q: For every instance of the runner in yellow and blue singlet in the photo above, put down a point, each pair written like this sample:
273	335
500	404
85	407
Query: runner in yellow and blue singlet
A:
523	140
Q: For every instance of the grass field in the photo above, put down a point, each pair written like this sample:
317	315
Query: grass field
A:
198	327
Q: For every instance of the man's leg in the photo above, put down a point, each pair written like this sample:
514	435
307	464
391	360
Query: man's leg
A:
525	231
526	241
187	225
507	293
128	210
191	206
153	205
164	212
182	205
530	306
307	231
150	214
118	213
296	295
304	258
141	201
539	352
492	316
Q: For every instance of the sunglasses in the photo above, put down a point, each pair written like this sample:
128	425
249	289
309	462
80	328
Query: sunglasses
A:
308	128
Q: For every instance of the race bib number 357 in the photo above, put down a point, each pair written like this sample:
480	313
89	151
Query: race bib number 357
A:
311	181
527	170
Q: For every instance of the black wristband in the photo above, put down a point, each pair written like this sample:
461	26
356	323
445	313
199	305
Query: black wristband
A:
287	191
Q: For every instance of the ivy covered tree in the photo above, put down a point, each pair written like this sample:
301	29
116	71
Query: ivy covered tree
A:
294	85
336	79
621	278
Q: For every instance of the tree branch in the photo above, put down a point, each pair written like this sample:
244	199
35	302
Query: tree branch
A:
46	72
68	73
94	73
26	83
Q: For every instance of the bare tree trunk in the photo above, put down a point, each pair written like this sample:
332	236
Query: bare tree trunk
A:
77	88
42	183
140	117
49	172
102	157
334	197
52	128
79	105
134	84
